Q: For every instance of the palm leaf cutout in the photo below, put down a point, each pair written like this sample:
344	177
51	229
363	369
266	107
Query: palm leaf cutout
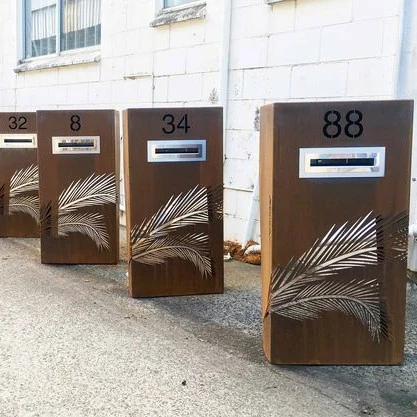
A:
25	204
92	191
46	218
181	210
2	199
396	237
24	180
157	239
191	247
356	298
215	202
90	224
346	247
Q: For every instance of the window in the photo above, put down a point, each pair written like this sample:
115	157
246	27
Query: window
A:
53	26
174	3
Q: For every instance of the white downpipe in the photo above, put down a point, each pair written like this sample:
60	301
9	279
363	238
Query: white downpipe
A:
406	89
252	213
224	67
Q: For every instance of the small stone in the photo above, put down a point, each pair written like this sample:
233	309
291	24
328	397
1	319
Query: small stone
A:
184	382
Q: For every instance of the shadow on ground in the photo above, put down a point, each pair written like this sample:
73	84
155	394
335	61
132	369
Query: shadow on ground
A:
232	321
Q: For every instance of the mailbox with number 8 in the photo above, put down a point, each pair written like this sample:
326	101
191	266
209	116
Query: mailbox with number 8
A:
334	181
19	199
79	180
174	198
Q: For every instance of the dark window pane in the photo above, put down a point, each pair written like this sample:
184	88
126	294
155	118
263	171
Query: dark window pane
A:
81	25
40	27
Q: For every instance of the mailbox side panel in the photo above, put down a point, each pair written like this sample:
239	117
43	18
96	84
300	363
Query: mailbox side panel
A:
338	269
19	189
79	191
175	225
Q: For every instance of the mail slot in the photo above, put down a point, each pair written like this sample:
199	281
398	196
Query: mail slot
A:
79	179
19	186
190	150
174	197
76	145
347	162
334	195
16	140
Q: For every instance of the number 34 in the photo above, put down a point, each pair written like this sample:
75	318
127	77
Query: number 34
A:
171	126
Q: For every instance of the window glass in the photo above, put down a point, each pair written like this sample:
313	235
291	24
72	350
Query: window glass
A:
78	23
173	3
40	27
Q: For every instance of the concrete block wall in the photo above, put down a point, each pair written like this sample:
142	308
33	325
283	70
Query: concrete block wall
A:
293	50
296	51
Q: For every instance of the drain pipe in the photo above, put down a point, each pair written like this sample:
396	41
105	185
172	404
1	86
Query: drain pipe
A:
224	67
405	81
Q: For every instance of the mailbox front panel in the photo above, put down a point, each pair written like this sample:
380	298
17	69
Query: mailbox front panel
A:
174	196
79	179
334	221
19	186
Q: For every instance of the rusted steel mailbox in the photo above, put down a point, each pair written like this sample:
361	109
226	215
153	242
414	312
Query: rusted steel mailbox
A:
19	199
334	220
78	176
174	195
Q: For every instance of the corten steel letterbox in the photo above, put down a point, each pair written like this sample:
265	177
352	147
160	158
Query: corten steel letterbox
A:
78	176
334	183
19	199
174	196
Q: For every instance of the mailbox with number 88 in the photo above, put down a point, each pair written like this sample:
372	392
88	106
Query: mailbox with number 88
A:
174	198
19	200
79	179
334	181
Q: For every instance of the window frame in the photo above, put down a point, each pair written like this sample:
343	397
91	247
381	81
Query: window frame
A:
22	45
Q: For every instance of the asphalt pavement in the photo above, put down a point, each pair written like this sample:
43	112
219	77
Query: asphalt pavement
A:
73	343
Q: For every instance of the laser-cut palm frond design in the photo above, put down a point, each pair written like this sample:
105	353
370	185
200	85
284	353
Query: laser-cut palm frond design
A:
396	237
159	237
24	180
84	193
2	196
46	218
181	210
92	191
369	241
191	247
90	224
358	298
25	204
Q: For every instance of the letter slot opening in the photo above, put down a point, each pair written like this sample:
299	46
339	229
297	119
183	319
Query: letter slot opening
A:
76	144
189	150
349	162
343	162
18	141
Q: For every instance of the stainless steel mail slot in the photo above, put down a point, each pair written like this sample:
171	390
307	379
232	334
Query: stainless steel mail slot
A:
187	150
342	162
76	144
16	140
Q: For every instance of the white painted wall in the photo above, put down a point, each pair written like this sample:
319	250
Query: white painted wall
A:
293	50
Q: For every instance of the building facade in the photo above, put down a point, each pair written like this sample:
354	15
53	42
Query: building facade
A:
239	54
